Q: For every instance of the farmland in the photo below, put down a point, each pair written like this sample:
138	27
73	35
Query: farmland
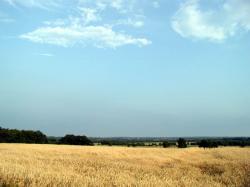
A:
64	165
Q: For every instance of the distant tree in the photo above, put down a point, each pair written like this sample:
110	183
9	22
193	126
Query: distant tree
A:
208	144
106	142
214	144
182	143
165	144
53	140
23	136
243	144
153	144
75	140
203	143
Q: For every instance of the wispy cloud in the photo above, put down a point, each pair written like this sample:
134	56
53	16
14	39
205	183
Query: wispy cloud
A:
137	23
122	6
156	4
4	18
44	4
88	25
89	15
224	21
45	54
98	36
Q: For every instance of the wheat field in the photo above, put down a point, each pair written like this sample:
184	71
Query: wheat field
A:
61	165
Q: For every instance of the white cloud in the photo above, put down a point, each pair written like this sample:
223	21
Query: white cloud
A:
91	22
192	21
156	4
4	18
45	54
119	5
89	15
85	16
99	36
239	11
58	22
44	4
131	22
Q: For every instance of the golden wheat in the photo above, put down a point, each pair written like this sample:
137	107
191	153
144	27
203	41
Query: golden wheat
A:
61	165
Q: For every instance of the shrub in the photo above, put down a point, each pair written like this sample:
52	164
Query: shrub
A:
75	140
106	142
208	144
165	144
182	143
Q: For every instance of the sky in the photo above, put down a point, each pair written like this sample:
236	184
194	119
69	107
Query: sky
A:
126	67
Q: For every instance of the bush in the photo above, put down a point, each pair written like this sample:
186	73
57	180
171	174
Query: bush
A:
105	142
207	144
165	144
75	140
182	143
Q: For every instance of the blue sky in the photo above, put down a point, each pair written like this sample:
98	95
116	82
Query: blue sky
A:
126	67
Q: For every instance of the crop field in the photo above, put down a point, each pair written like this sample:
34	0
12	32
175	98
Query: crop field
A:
61	165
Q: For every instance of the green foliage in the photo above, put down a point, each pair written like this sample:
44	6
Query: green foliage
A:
75	140
136	144
23	136
106	142
208	144
165	144
53	140
182	143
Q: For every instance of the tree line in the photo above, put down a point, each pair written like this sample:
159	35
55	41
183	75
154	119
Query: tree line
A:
37	137
22	136
180	143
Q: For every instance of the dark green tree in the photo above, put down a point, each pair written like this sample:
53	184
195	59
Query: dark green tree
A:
23	136
203	143
208	144
106	142
75	140
181	143
165	144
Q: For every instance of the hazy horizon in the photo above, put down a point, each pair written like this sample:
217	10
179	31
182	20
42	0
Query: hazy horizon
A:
126	68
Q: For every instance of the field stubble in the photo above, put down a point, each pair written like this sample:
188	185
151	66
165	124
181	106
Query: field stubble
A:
61	165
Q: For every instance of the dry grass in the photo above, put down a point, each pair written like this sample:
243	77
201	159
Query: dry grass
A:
58	165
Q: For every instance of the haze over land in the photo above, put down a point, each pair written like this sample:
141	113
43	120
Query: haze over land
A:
126	68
